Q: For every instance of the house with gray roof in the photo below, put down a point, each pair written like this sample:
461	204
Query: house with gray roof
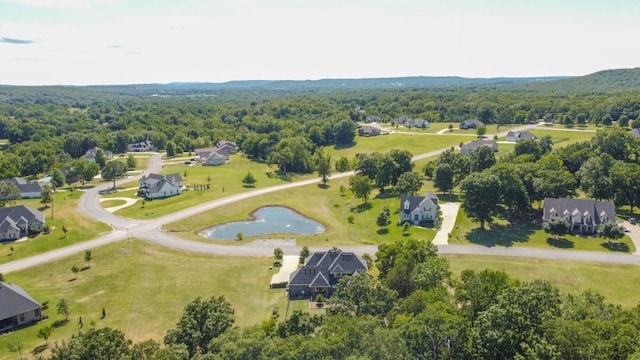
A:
475	145
28	190
90	155
17	307
142	146
584	215
19	221
156	186
471	124
417	209
321	272
636	133
368	130
515	136
372	119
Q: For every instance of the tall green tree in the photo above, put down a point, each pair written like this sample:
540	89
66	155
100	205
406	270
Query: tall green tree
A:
57	178
557	226
201	321
47	195
481	195
610	230
131	162
344	132
8	193
113	171
409	183
99	344
324	167
101	159
360	185
443	178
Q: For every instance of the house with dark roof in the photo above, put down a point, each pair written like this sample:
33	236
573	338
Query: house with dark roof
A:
584	215
475	145
227	145
90	155
412	123
156	186
417	209
19	221
636	133
28	190
368	130
321	272
471	124
515	136
17	307
142	146
372	119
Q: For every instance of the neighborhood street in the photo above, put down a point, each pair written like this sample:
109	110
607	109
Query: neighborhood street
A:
150	230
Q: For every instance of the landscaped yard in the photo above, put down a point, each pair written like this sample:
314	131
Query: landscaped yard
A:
65	212
528	233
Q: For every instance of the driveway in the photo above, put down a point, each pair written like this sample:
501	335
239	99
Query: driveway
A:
633	234
449	215
289	265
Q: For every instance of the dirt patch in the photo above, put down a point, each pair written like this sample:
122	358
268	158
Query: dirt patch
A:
89	297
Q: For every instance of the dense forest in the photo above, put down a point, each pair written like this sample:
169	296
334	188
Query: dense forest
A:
414	309
49	127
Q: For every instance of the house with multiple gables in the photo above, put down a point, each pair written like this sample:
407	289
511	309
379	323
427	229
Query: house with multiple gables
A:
475	145
584	215
515	136
412	123
368	130
156	186
90	155
321	272
471	124
142	146
372	119
416	209
17	307
18	221
28	190
217	155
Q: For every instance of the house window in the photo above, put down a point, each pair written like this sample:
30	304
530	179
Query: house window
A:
338	274
21	317
36	312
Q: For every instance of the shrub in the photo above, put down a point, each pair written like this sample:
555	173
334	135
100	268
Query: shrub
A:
351	219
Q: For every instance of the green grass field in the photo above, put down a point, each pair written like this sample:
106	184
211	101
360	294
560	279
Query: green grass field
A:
112	203
528	233
65	212
415	144
143	288
325	205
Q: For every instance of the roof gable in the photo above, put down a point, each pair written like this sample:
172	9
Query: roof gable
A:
14	301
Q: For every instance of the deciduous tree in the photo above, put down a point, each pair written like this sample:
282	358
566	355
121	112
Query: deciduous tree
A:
360	185
113	171
409	183
481	195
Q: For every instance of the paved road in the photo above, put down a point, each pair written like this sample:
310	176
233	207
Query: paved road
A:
150	230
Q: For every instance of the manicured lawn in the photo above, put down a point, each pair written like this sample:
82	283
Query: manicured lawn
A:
617	283
325	205
112	203
527	233
143	289
564	138
65	212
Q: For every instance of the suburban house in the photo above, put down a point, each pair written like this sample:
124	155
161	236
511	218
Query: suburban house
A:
217	155
18	221
372	119
146	145
227	145
416	123
28	190
515	136
368	131
156	186
417	209
471	124
475	145
321	272
584	215
90	155
17	307
636	133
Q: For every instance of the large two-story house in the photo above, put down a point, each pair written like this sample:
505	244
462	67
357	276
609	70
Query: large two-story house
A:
18	221
583	215
17	307
417	209
321	272
156	186
28	190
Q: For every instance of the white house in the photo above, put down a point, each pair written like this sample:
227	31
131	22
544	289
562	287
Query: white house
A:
417	209
156	186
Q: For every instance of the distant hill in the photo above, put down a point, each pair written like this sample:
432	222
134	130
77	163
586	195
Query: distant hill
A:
600	82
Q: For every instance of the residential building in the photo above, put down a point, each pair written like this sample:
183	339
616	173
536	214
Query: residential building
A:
19	221
584	215
90	155
227	145
413	123
515	136
372	119
417	209
321	272
156	186
17	307
368	130
142	146
28	190
475	145
471	124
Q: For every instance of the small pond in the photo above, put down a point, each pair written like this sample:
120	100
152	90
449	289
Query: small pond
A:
267	220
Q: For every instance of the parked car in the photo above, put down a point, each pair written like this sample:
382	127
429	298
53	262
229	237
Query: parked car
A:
624	228
632	221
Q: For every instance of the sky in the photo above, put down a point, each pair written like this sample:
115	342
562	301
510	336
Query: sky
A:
91	42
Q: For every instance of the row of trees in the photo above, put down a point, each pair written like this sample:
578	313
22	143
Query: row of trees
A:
414	309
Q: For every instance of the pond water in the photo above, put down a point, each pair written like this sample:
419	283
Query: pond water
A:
268	220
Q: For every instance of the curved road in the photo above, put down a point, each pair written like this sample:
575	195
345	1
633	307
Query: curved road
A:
151	230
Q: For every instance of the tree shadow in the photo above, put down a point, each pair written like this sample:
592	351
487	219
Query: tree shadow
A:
615	246
449	197
506	235
84	268
562	243
323	186
383	231
361	207
60	323
248	186
72	280
385	195
344	146
39	349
